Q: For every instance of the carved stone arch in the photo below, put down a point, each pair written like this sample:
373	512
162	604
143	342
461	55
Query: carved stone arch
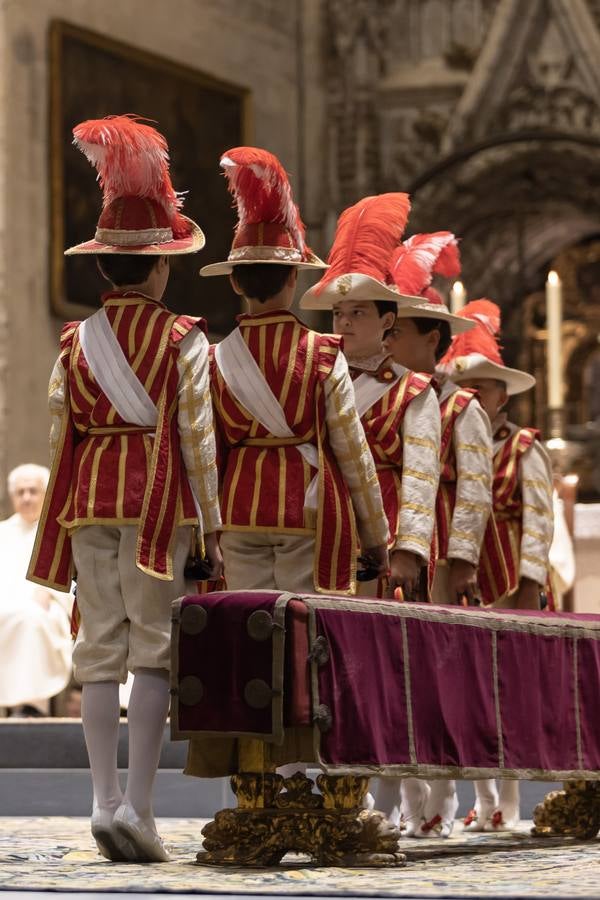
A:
541	51
516	205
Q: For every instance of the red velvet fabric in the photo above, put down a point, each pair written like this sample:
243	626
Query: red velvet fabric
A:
225	658
296	687
542	694
452	694
431	690
363	686
537	701
588	683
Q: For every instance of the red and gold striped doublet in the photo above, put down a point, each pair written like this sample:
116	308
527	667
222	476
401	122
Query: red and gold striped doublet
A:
264	478
501	550
450	409
383	429
106	471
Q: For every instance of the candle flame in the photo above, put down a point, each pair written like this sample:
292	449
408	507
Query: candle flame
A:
458	287
571	479
553	277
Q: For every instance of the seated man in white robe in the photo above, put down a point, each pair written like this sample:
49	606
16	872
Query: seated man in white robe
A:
35	639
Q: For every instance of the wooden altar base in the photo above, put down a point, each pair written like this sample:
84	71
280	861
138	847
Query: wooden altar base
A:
276	816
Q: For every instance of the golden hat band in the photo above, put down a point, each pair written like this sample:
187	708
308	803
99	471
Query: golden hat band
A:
130	238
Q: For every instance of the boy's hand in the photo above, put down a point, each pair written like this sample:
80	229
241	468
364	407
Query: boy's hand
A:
462	581
213	554
405	571
527	595
378	559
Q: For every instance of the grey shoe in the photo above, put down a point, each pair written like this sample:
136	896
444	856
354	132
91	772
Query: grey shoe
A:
139	834
109	843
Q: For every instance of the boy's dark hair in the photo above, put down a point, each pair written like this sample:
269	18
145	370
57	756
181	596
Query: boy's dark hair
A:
126	268
424	326
386	306
261	281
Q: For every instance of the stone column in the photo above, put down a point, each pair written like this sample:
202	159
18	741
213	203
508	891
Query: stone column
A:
3	246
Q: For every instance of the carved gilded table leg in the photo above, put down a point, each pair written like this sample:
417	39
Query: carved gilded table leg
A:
275	816
573	811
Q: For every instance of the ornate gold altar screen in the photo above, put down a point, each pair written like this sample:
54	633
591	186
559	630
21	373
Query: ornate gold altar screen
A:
579	272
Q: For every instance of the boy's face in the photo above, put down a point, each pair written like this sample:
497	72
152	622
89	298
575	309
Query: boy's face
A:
410	348
491	394
361	326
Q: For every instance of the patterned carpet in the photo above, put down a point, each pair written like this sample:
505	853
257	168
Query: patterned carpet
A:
57	854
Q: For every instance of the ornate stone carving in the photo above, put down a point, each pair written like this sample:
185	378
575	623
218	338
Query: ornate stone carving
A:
276	816
355	53
573	811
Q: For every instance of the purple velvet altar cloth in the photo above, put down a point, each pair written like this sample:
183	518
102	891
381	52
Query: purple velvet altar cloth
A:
446	691
227	678
396	688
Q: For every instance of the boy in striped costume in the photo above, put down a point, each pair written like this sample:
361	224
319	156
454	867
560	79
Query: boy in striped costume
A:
513	569
419	338
133	473
299	488
397	407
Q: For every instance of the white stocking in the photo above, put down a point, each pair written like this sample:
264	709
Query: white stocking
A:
414	793
486	797
508	800
146	715
100	717
386	797
442	802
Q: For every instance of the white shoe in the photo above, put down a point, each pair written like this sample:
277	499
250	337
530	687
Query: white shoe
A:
141	835
109	843
435	828
474	821
411	826
498	822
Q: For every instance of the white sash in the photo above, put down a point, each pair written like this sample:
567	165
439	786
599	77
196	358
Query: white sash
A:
368	390
110	367
243	377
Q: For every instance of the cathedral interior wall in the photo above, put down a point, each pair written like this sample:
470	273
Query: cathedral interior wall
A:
250	45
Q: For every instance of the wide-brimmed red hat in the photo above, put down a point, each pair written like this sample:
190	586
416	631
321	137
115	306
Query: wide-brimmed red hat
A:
269	228
412	268
366	236
477	354
141	210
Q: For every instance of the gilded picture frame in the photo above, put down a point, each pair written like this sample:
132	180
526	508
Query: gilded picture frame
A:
91	76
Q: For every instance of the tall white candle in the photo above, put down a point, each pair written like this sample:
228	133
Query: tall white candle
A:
458	296
554	342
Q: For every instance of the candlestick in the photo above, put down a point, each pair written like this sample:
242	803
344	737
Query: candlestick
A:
458	296
554	341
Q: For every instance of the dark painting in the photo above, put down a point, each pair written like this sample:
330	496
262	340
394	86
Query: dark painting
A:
92	77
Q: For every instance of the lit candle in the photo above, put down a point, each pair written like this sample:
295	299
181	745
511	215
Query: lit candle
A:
458	296
554	342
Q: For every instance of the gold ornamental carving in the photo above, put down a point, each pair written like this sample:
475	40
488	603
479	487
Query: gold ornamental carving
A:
574	811
276	816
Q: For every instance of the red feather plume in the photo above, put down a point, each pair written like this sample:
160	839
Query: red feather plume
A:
485	312
366	236
132	159
481	339
432	296
422	256
262	191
